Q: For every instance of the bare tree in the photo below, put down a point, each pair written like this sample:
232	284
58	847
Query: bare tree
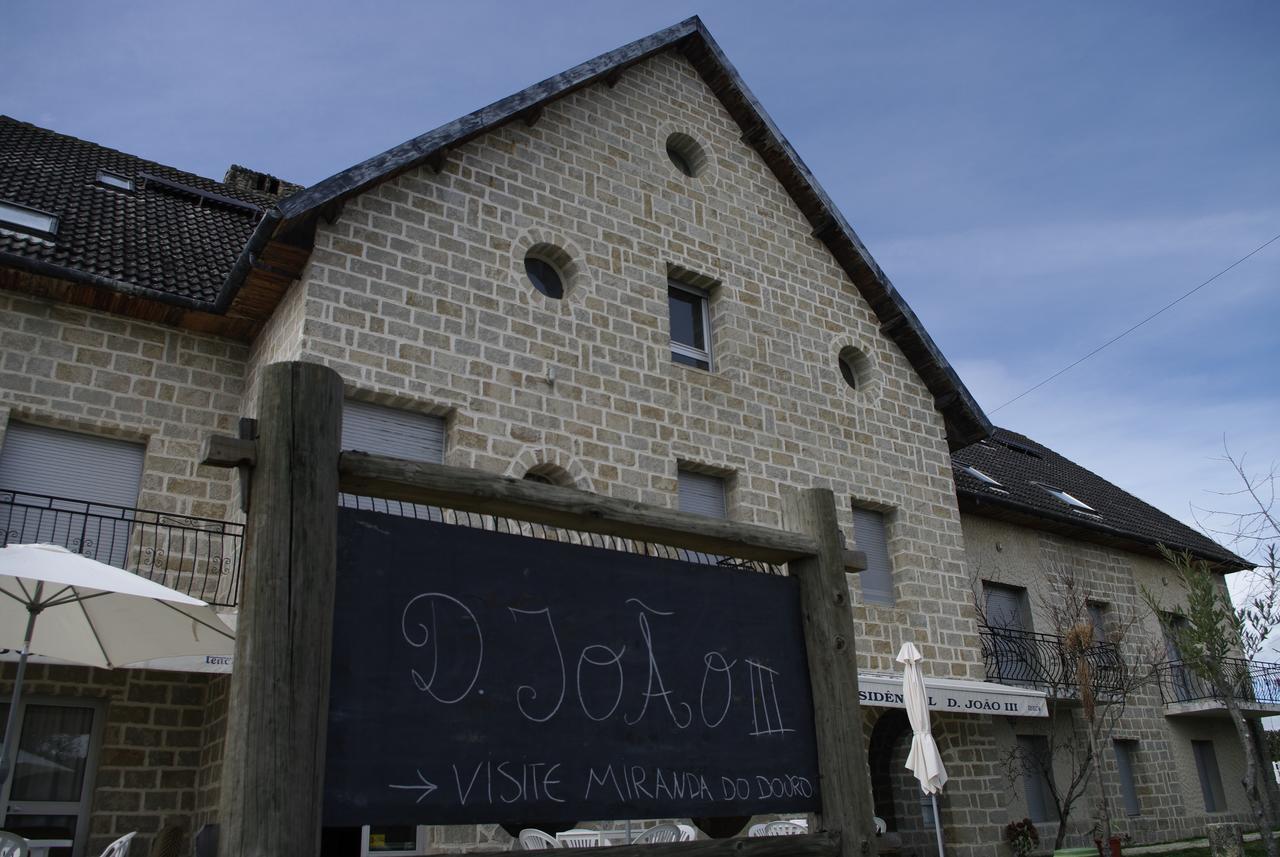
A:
1208	633
1090	676
1213	627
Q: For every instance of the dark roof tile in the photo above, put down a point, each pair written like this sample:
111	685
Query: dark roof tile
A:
1023	467
175	244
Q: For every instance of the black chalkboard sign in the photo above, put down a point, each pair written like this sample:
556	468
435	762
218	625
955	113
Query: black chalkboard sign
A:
488	677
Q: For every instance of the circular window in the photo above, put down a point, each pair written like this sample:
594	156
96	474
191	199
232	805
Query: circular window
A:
685	153
544	276
549	268
854	367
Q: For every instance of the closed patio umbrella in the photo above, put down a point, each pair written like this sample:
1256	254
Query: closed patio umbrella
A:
63	605
924	761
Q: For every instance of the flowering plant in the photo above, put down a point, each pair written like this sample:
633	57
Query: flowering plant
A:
1022	836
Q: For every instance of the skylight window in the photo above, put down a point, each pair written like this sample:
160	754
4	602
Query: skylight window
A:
114	180
28	219
1073	502
980	476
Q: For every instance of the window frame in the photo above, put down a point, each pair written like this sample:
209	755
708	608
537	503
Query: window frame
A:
1037	780
54	221
875	596
115	181
681	348
1126	752
1210	775
721	481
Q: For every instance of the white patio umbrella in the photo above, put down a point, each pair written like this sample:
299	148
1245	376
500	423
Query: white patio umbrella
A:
924	760
95	614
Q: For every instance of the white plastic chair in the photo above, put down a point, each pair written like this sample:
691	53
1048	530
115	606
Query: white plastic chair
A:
532	839
658	833
688	832
120	848
784	828
579	838
757	829
13	845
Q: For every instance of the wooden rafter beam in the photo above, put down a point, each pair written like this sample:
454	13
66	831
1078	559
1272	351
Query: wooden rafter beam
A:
471	490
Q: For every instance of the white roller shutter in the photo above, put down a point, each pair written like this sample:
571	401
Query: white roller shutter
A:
381	430
876	580
1005	606
89	473
387	431
701	494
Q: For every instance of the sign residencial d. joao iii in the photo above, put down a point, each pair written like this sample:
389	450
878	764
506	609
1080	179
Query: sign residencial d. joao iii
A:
481	676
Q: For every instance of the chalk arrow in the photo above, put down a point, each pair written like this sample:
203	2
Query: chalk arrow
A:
422	786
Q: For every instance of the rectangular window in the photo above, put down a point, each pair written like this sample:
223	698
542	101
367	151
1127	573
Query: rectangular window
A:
702	494
49	793
1126	755
1006	607
876	580
1037	769
380	430
690	326
28	219
114	180
1008	652
1215	800
68	489
1098	619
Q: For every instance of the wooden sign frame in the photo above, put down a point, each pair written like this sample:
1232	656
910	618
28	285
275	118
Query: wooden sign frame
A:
273	768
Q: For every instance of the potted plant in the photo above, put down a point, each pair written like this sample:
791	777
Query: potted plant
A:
1109	848
1023	837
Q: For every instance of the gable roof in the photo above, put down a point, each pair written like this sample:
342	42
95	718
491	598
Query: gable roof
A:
965	420
1025	469
174	238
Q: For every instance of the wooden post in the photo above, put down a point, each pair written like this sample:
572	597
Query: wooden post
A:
273	764
829	637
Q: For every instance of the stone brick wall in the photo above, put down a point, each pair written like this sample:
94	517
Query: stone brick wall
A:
212	748
80	370
152	731
1164	771
417	295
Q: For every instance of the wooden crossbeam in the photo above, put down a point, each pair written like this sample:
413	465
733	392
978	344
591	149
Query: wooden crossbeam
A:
471	490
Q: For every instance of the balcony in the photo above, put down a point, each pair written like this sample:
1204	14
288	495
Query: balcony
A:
196	556
1043	662
1256	684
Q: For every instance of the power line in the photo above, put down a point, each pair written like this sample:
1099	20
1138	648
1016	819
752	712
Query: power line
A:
1130	330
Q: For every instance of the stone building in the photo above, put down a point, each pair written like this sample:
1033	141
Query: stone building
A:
622	279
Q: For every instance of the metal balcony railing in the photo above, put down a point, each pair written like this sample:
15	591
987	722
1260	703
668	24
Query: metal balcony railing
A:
196	556
1253	682
1044	662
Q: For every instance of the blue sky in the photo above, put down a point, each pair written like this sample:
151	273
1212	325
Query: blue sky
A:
1033	177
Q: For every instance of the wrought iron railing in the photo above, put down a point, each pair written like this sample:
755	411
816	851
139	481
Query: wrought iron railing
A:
196	556
1045	662
1251	681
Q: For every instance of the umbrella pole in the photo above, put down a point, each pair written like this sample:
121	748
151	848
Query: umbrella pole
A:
937	823
15	702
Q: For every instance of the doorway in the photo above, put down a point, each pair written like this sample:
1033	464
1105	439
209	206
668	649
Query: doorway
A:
49	793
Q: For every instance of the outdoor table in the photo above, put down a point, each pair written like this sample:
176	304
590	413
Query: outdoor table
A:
41	847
